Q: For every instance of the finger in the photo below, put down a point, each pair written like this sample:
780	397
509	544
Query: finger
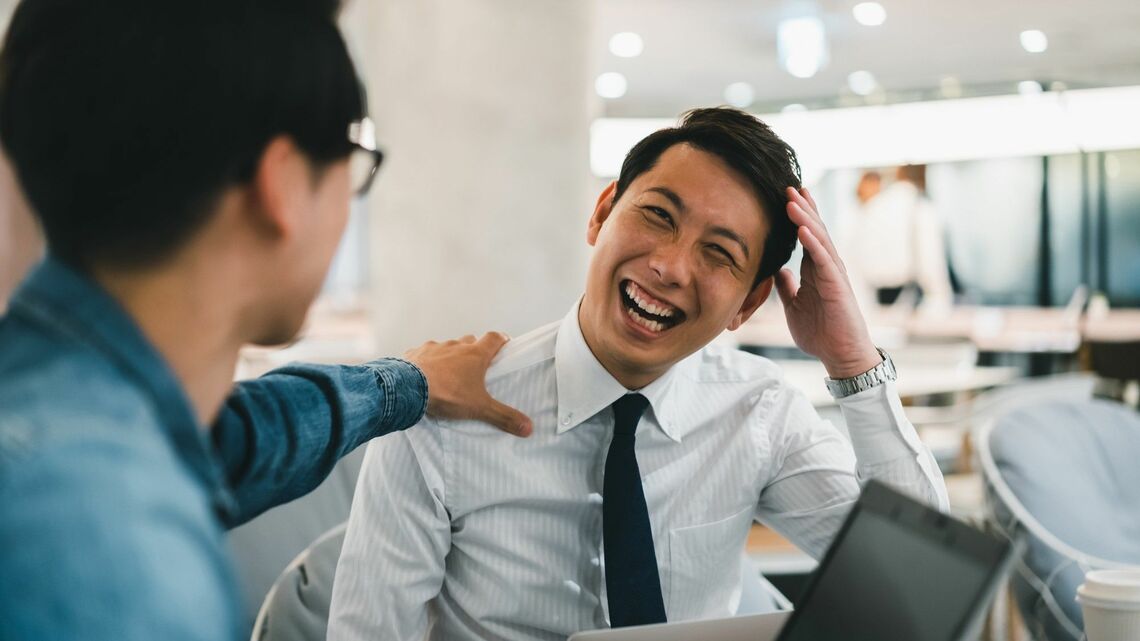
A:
824	263
786	286
798	215
466	339
493	341
797	198
505	418
807	196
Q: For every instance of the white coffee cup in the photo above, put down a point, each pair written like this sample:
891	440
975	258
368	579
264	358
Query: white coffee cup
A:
1110	600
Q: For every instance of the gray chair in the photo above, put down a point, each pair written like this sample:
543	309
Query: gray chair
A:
1065	475
297	606
266	544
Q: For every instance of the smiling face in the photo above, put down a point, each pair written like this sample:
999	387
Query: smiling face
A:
674	263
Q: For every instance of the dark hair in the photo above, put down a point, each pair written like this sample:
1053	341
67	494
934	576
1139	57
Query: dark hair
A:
126	119
748	146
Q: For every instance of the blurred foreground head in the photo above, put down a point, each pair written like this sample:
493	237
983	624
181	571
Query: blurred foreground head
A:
126	120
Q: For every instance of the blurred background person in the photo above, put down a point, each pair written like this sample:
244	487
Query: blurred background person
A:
870	184
899	243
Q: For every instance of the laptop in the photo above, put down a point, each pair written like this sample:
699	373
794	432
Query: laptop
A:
897	569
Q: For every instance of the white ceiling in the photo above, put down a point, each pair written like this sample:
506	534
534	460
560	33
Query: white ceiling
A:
695	48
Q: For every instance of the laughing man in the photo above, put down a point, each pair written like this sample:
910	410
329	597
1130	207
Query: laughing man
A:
653	451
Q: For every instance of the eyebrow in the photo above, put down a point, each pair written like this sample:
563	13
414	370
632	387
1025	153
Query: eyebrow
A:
671	195
723	232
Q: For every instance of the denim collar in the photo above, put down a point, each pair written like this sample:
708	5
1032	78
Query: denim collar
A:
57	297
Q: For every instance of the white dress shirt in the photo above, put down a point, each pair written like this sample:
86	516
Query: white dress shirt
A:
459	531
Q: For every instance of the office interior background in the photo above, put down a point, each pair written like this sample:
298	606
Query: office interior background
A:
502	120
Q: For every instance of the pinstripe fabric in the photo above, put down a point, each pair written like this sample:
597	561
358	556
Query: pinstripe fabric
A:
461	532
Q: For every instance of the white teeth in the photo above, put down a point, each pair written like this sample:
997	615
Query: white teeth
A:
651	308
645	322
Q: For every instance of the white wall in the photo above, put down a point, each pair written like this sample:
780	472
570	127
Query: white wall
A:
483	109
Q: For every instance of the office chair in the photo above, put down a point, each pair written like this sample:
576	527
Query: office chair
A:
297	606
1064	474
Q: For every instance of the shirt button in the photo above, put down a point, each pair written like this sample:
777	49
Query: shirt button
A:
594	498
572	586
596	561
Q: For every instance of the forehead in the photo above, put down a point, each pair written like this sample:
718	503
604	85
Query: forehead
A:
711	190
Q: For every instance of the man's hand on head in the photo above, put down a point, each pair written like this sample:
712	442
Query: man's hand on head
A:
822	314
456	372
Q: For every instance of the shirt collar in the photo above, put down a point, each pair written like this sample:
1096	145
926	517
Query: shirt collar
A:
56	296
586	388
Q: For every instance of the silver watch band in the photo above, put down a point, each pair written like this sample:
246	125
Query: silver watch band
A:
877	375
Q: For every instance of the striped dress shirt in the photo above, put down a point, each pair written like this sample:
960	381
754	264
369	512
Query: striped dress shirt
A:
459	531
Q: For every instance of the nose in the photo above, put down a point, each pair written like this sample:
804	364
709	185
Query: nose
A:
672	263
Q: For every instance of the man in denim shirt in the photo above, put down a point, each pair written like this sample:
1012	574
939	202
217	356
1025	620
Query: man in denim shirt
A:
190	165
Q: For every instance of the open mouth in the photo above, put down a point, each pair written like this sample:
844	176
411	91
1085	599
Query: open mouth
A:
648	312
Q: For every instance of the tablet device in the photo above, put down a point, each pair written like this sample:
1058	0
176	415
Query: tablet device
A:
899	569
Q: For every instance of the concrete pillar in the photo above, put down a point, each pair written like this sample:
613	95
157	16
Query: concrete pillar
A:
478	219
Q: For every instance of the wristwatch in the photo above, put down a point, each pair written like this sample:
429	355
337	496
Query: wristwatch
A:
874	377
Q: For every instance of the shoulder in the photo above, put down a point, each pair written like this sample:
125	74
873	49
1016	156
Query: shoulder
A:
107	541
51	400
727	364
524	352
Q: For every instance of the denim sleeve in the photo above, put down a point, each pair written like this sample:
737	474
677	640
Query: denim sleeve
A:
280	435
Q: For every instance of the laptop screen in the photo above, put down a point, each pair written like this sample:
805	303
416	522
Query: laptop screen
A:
897	570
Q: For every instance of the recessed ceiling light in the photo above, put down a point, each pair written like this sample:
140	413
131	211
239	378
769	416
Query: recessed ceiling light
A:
626	44
1029	88
793	108
1034	41
610	85
869	14
862	82
802	46
739	94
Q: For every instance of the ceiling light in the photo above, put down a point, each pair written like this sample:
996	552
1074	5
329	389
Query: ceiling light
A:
802	46
793	108
869	14
610	85
1029	88
739	94
1034	41
862	82
626	44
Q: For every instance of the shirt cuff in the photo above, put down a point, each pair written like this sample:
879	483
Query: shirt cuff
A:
404	392
879	429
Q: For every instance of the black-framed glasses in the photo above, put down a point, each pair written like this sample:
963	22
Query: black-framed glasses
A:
366	156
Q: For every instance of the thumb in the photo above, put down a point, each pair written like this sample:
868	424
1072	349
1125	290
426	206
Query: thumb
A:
786	286
505	418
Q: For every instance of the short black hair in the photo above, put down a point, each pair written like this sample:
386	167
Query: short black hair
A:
749	147
126	119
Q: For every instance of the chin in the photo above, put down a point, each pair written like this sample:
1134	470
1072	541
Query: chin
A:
280	332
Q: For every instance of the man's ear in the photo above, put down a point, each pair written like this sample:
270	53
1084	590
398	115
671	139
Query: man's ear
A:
752	302
281	182
601	212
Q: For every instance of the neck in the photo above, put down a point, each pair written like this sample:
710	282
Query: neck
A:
630	376
190	321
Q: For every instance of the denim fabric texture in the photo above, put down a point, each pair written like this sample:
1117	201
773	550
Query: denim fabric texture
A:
114	499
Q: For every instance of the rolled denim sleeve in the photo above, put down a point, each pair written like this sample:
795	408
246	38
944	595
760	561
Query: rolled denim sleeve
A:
281	434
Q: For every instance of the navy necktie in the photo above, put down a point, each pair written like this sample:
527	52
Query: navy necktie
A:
633	585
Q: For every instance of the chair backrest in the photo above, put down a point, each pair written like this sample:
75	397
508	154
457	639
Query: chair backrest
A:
269	542
1065	475
297	606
